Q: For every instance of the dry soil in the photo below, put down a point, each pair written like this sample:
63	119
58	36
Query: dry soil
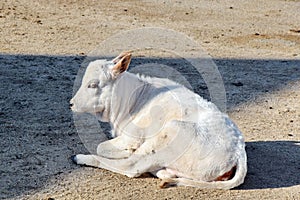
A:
255	44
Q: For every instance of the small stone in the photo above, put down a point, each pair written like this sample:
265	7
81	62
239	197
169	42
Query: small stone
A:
295	30
18	156
290	134
238	84
38	22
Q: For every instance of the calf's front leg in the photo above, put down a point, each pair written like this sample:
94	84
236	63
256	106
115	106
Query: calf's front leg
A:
154	154
133	166
118	148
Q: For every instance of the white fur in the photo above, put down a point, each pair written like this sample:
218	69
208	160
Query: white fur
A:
161	127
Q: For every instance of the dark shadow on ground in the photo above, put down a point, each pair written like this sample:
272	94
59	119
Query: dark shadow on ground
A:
272	164
38	134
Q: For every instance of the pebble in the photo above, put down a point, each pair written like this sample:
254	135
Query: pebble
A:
238	84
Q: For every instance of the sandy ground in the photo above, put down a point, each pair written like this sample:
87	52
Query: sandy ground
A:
255	44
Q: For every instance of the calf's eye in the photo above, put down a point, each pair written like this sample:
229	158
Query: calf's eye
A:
93	85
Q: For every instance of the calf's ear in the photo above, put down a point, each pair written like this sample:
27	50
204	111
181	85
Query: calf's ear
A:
121	63
119	57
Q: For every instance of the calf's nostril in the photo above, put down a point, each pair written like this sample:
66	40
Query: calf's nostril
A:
71	103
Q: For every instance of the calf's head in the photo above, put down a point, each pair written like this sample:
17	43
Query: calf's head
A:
94	93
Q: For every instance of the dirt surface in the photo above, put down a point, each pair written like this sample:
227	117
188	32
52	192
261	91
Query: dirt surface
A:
255	44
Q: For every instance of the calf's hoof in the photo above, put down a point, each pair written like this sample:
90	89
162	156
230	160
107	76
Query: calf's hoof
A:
74	159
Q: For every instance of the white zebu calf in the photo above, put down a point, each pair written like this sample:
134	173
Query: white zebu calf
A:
160	127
